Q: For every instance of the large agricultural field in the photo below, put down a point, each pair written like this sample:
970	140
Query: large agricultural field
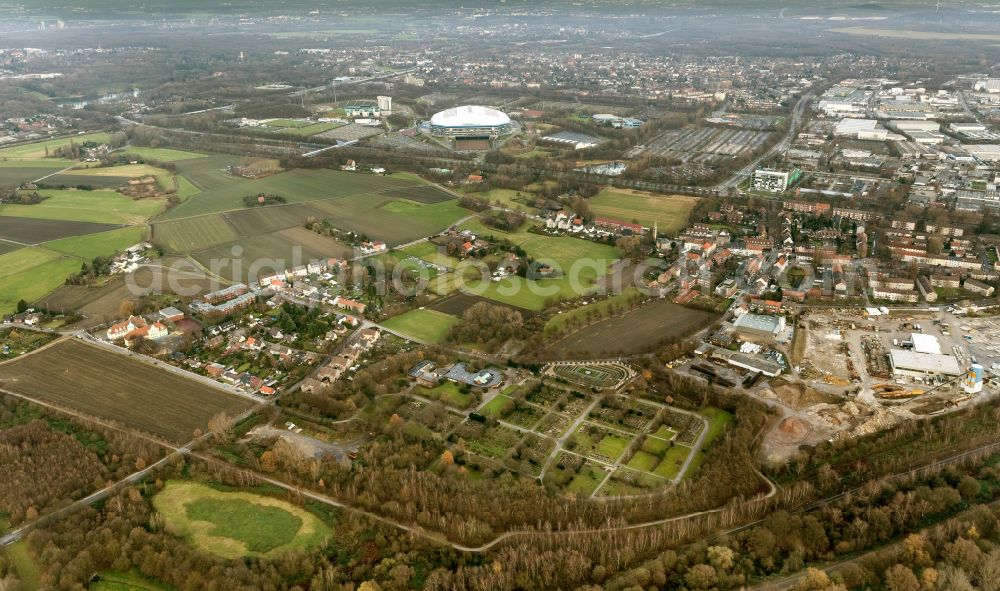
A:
233	524
31	231
224	192
102	304
250	257
31	273
94	381
633	332
214	226
45	242
15	172
105	207
669	213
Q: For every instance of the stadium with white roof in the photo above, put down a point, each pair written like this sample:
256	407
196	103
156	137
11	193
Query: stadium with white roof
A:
471	122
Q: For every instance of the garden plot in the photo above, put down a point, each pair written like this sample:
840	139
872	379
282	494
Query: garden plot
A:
576	474
600	443
621	414
530	455
490	442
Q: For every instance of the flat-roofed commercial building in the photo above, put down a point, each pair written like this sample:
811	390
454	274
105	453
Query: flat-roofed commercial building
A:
759	326
914	364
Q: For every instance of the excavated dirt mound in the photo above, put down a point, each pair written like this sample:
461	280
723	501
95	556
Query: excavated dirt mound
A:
793	427
798	395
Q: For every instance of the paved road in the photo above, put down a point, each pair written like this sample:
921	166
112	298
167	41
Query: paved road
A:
780	147
19	533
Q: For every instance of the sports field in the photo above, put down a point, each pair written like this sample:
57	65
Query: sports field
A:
94	381
426	325
670	213
237	524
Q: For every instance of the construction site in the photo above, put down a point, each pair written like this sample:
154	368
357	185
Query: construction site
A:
854	373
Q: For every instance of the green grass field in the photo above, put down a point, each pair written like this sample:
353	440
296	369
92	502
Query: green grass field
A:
718	420
399	223
672	461
106	207
36	282
287	123
581	261
27	569
586	481
643	461
612	446
421	250
655	446
160	154
425	325
237	524
447	393
493	408
508	198
669	212
36	150
103	244
112	581
23	259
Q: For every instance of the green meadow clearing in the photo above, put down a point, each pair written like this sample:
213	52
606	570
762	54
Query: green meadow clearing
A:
112	581
237	524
